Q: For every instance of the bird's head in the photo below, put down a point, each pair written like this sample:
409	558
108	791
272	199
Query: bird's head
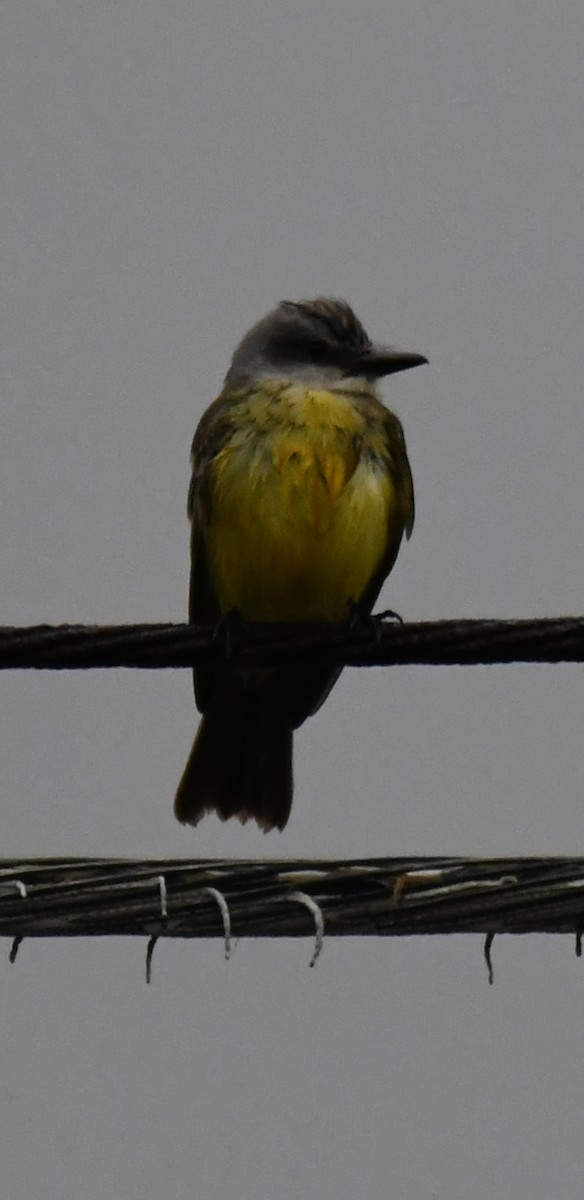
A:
314	340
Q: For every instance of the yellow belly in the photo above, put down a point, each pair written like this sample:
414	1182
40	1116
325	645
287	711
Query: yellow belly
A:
300	522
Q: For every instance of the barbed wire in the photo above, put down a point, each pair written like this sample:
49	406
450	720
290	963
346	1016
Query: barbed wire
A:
367	642
183	898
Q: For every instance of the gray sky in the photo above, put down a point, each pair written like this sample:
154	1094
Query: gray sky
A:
170	170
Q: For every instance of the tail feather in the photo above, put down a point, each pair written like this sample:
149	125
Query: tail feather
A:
240	764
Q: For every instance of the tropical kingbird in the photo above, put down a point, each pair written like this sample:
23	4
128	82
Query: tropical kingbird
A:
301	492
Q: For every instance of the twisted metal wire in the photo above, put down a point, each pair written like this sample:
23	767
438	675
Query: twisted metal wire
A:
370	642
278	898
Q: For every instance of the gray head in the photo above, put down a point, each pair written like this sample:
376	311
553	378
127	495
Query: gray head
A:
314	340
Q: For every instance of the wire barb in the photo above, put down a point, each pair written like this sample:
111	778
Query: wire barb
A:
149	952
224	910
316	910
161	881
20	887
487	953
15	947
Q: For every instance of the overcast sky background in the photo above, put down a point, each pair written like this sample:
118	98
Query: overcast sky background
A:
170	170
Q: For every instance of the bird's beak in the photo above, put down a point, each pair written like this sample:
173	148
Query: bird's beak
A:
386	360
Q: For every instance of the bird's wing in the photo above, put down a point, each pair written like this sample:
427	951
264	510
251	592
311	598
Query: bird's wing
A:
211	431
394	456
400	470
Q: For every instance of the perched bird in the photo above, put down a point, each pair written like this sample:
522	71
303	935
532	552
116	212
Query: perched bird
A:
301	492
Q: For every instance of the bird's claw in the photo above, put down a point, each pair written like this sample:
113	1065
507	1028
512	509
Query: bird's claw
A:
229	630
370	625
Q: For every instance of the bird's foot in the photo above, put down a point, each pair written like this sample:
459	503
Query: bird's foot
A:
370	625
229	630
389	615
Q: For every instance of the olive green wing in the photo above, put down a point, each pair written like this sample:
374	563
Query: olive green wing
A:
392	454
400	470
211	433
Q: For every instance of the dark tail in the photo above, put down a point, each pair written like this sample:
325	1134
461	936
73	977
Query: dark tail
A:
241	761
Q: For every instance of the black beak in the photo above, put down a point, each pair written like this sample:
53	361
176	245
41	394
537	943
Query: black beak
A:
386	360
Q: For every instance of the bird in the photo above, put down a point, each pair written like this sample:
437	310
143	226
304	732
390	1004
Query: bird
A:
300	495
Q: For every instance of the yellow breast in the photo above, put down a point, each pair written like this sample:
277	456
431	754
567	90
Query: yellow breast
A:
300	515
